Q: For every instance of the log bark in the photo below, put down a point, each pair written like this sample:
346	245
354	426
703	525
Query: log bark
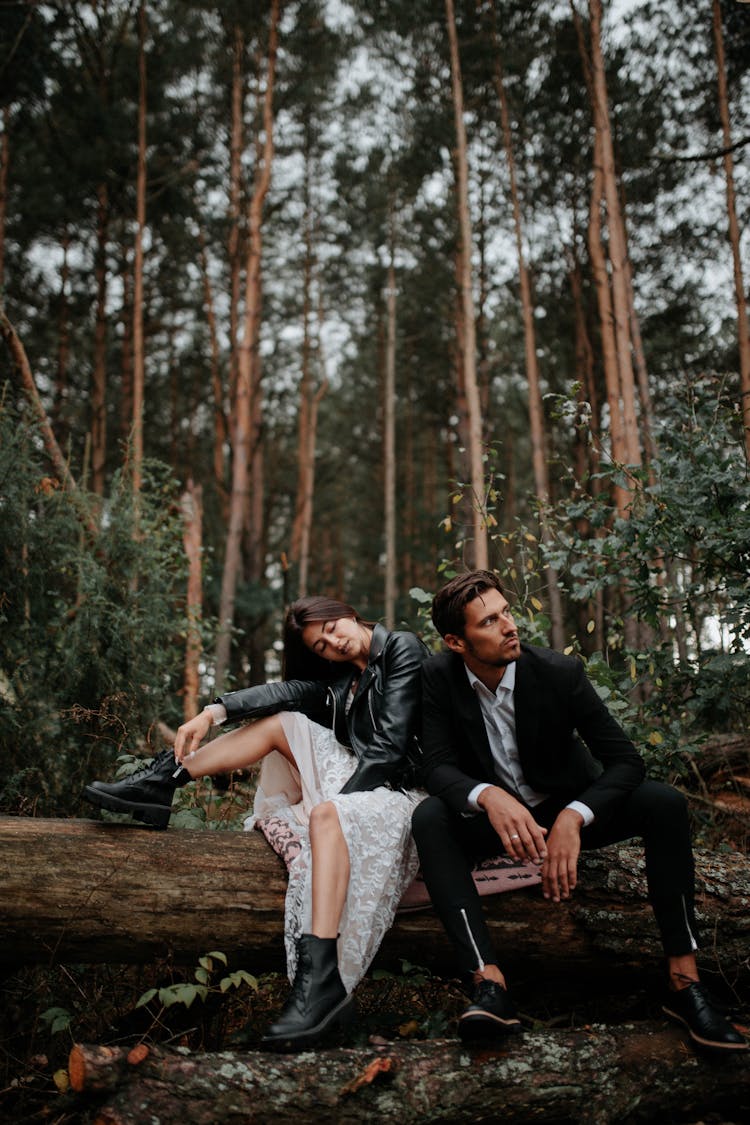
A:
593	1076
83	891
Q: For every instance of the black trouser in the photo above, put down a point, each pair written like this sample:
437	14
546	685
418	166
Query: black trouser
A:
450	844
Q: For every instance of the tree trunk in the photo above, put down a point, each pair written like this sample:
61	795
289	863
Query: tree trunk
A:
59	413
23	367
389	445
4	160
99	372
307	414
217	387
536	407
138	355
743	327
621	303
597	1075
246	400
192	537
236	145
126	354
469	355
78	890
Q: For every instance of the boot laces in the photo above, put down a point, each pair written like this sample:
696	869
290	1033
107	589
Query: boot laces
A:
145	770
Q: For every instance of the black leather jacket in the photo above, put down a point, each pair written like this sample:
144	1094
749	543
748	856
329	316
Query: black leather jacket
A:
381	725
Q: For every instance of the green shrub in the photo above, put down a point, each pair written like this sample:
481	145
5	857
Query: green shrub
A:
93	622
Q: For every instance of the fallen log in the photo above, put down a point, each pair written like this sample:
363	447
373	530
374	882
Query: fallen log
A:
593	1076
83	891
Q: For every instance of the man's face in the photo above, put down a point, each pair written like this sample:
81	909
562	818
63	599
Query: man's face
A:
490	635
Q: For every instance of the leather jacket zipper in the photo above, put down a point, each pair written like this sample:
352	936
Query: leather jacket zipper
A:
332	696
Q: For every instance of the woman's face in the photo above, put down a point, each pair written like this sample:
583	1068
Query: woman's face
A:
342	641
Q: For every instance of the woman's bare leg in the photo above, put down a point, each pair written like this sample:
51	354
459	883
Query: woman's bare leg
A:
330	870
239	748
330	856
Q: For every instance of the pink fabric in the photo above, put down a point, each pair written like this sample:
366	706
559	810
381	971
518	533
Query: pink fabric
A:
492	876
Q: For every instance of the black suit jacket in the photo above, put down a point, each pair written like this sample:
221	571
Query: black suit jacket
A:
557	711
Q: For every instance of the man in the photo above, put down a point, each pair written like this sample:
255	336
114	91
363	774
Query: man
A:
507	769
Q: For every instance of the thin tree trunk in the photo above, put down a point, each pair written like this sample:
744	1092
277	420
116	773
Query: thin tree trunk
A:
236	144
126	356
192	537
63	345
304	410
389	441
307	445
307	520
621	302
99	373
641	371
587	459
23	367
248	389
469	356
220	418
4	161
536	407
138	354
600	275
743	327
309	453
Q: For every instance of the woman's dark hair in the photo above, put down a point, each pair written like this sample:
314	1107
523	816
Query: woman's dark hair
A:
300	662
449	603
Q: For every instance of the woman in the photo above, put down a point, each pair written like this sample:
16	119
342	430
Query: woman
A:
337	740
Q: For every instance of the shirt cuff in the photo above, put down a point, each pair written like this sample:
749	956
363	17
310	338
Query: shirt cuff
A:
218	713
471	800
584	810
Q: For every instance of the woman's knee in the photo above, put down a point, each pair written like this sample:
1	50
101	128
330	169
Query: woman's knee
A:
324	818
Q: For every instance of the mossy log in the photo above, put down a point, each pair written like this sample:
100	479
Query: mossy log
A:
632	1073
83	891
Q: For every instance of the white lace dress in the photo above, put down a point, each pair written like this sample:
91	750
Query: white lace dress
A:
377	829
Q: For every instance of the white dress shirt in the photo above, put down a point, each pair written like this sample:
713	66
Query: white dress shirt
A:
499	714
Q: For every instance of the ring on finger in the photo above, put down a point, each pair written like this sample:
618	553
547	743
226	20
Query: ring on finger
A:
515	836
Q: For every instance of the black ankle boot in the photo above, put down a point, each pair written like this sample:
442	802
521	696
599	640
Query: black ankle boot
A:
146	795
318	1000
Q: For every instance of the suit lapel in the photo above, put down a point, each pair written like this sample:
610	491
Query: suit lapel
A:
527	702
471	719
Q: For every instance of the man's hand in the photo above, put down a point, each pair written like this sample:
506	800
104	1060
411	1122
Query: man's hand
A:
519	833
560	868
191	734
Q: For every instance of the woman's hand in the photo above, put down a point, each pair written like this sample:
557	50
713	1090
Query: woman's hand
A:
191	734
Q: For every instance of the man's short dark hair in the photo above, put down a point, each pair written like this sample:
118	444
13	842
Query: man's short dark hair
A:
449	603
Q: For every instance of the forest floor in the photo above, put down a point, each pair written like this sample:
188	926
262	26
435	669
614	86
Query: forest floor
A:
46	1009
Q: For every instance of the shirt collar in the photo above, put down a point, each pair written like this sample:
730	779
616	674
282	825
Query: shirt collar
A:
507	683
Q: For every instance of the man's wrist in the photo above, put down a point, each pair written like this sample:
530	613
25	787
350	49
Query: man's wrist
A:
485	795
586	813
473	799
573	816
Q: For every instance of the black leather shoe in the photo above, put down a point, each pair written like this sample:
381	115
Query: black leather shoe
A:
318	1000
490	1014
146	794
707	1026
